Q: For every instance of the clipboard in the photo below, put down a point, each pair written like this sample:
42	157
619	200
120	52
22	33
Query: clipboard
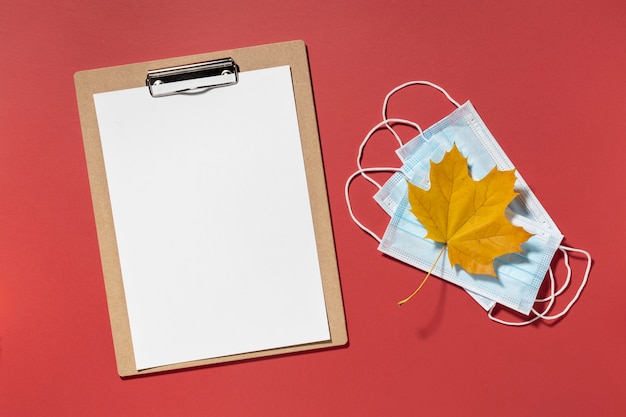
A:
91	83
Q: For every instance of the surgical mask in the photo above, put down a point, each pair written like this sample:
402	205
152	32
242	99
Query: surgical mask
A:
520	275
465	128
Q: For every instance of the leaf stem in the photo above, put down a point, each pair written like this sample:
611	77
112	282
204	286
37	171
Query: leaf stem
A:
425	278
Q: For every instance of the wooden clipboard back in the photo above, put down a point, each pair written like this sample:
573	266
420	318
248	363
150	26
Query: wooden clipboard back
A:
101	80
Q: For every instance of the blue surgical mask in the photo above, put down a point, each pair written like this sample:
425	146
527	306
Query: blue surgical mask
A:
519	275
465	128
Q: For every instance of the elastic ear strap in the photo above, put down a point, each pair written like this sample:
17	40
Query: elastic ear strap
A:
368	137
567	279
362	171
408	84
580	287
386	123
553	294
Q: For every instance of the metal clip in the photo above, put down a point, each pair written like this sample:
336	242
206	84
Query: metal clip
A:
192	77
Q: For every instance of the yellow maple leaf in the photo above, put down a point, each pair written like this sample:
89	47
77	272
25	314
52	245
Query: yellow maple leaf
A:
467	216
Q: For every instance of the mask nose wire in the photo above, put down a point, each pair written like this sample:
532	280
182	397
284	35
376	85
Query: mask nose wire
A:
405	85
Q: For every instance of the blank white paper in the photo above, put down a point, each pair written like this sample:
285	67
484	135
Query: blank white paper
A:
212	219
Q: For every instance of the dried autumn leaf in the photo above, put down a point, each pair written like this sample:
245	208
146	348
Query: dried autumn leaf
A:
467	216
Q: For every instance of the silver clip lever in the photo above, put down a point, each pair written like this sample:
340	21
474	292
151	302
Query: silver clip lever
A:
192	77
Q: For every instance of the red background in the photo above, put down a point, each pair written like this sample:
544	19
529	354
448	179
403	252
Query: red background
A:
547	77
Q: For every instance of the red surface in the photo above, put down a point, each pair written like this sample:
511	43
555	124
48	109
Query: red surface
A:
547	77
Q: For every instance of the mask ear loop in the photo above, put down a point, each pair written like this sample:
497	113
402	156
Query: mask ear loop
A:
385	122
363	171
408	84
553	294
567	279
580	287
